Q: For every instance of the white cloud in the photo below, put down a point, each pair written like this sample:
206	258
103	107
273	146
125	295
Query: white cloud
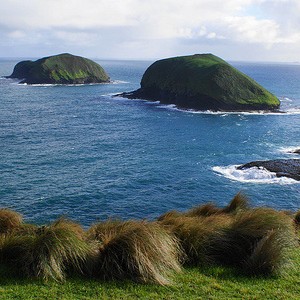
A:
144	28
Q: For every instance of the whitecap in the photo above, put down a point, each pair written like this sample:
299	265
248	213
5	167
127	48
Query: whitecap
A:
61	84
292	111
286	99
289	150
282	112
252	175
168	106
119	81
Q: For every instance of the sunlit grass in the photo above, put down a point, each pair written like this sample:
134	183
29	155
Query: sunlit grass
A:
138	250
214	283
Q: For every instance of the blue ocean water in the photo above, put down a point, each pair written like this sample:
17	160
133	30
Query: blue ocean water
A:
79	152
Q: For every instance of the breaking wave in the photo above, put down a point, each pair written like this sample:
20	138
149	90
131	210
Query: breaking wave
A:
252	175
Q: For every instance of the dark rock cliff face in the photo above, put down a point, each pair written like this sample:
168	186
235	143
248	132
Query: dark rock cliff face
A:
282	167
60	69
201	82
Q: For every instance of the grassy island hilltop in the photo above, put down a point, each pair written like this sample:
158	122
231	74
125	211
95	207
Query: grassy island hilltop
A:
202	82
60	69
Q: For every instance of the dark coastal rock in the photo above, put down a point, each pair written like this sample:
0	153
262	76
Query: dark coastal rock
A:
60	69
202	82
282	167
297	151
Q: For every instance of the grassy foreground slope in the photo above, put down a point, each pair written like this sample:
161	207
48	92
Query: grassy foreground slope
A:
193	283
60	69
206	252
203	81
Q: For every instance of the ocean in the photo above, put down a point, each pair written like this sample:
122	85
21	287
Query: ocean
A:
79	152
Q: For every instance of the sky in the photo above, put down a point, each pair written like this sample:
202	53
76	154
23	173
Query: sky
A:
236	30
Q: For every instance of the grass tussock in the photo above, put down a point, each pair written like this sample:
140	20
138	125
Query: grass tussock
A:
136	250
9	220
194	234
238	203
258	242
297	219
46	251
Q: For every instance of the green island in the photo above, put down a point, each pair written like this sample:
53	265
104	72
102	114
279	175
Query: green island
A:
202	82
60	69
206	252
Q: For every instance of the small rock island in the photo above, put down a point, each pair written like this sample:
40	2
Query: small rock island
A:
60	69
282	167
202	82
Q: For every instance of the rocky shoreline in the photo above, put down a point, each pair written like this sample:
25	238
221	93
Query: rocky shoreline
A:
281	167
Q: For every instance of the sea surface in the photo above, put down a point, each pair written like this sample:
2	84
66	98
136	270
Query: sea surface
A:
79	152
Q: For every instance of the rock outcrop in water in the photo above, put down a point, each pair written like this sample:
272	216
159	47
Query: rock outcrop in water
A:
282	167
60	69
202	82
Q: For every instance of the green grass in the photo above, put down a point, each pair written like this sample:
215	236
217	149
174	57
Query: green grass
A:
192	283
63	68
235	252
204	81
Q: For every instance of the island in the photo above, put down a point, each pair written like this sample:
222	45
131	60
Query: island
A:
202	82
282	167
60	69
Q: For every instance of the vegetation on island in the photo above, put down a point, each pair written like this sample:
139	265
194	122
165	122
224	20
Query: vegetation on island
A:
60	69
203	249
201	82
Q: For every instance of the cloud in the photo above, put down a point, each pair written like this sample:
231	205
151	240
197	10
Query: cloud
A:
144	28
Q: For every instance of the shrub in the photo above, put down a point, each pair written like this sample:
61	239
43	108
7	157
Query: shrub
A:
9	220
46	251
257	241
136	250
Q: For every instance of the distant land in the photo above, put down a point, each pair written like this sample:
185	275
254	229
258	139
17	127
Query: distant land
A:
60	69
202	82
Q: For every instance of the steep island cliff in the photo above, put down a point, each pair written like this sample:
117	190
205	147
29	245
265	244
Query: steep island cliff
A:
202	82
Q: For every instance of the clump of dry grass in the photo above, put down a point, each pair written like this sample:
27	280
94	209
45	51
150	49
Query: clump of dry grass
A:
257	241
297	219
238	203
194	233
9	220
136	250
46	251
204	210
269	256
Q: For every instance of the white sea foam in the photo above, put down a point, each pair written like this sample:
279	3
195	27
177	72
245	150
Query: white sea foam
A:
286	112
252	175
168	106
57	84
118	82
286	99
289	150
283	112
